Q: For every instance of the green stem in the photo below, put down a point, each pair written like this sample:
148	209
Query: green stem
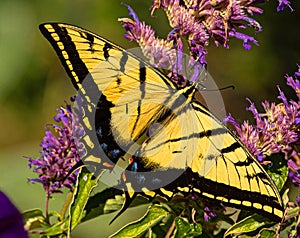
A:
66	205
47	209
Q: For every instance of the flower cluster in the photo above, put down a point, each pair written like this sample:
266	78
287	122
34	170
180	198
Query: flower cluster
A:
61	149
275	131
197	21
144	34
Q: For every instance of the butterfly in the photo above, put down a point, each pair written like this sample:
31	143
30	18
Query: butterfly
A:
156	137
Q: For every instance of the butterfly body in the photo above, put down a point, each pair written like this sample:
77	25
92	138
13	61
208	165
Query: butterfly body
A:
137	119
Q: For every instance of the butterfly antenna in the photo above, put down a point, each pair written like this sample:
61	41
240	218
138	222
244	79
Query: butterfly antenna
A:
126	204
221	89
227	87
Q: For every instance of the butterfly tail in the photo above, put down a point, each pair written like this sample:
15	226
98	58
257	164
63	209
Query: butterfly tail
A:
127	202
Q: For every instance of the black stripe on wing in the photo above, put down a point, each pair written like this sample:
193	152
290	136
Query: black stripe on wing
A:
79	67
202	186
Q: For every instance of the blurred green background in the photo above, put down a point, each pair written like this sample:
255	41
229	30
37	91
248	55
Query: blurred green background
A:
33	83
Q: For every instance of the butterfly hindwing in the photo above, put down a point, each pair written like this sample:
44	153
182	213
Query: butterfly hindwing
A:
138	112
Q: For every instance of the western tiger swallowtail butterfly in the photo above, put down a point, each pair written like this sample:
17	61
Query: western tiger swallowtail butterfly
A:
187	143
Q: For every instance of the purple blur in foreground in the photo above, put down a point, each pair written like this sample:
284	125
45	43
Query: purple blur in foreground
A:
61	149
277	130
11	220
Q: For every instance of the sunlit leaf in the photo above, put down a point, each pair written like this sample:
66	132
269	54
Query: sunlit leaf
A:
293	212
114	204
185	229
58	228
154	215
32	214
86	183
246	225
34	219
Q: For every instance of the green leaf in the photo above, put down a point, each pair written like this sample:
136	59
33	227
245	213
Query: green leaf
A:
246	225
85	184
185	229
57	229
182	227
293	212
139	200
154	215
54	214
114	204
162	228
279	170
32	214
96	203
34	219
267	233
107	201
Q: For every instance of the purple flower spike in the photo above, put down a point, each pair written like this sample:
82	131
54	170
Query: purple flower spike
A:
132	13
246	39
293	172
276	130
158	51
297	73
198	22
61	149
11	220
298	200
282	4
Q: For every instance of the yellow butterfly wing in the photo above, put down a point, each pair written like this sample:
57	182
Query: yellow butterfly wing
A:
217	165
139	112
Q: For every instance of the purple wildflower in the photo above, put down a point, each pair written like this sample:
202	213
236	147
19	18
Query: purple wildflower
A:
164	54
298	200
246	39
159	52
276	130
282	4
198	21
293	171
11	220
61	149
208	213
